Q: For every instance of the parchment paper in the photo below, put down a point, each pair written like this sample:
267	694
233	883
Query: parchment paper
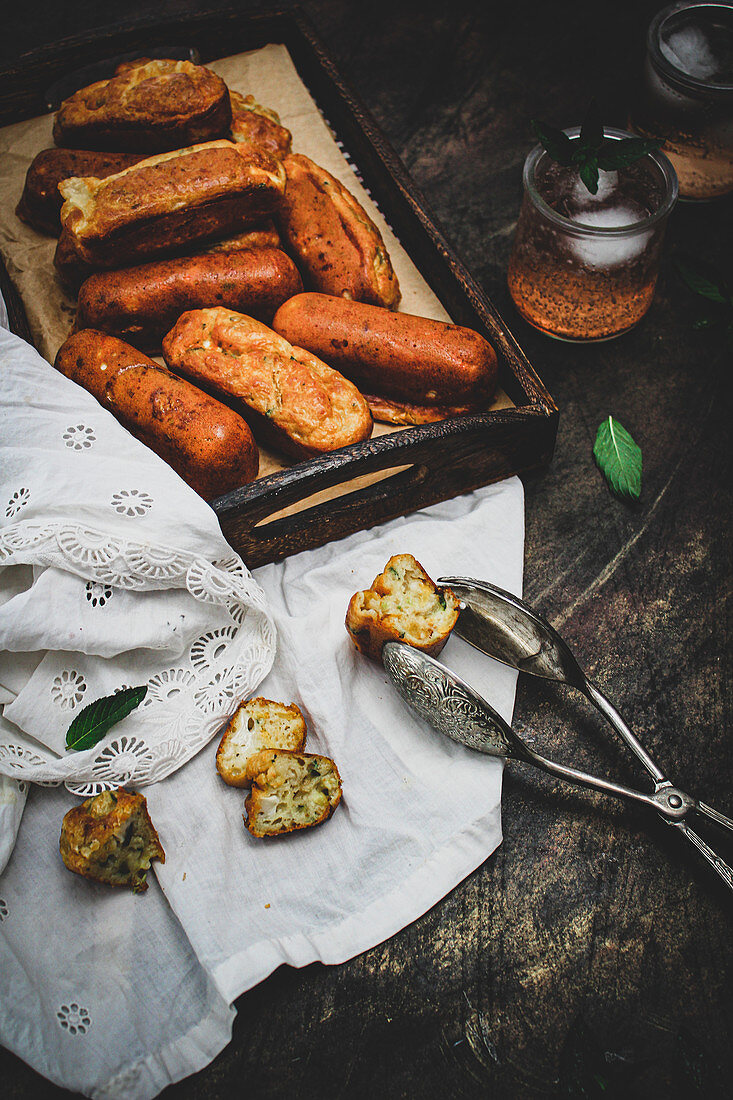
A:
270	75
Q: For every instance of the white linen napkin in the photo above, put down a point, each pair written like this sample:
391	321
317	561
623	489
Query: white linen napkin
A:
134	992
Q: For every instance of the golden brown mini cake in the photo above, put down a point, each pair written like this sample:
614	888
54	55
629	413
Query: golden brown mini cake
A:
290	791
167	204
258	126
264	235
407	413
402	605
292	400
110	838
208	444
40	203
149	108
255	725
141	303
334	241
164	64
419	369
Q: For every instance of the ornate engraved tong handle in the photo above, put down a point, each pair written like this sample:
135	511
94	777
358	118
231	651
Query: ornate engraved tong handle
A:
715	861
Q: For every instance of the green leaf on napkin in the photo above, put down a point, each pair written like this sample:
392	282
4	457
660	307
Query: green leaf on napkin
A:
618	458
94	720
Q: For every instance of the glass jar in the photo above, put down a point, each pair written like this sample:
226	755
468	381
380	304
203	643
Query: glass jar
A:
686	97
584	267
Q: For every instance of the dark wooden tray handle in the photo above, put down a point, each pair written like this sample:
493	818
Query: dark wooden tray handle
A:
442	460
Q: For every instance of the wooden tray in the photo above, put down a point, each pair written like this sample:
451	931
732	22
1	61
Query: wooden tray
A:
316	501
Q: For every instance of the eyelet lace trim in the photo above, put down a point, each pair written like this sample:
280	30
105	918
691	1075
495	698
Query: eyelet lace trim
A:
131	502
18	500
74	1019
79	438
98	594
67	690
185	705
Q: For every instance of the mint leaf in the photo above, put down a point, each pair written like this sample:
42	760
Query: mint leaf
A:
555	142
588	172
94	720
591	132
591	150
615	154
618	458
701	282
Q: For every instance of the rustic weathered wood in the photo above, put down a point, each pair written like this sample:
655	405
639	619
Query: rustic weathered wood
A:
455	456
591	915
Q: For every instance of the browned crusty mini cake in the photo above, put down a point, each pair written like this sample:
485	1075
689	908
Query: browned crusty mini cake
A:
166	204
110	838
255	725
258	126
290	790
147	106
264	235
335	243
41	201
293	400
402	605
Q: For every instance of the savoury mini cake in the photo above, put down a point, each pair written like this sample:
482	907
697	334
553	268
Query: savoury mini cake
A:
334	242
258	126
255	725
149	105
290	791
110	838
292	400
402	605
166	204
41	201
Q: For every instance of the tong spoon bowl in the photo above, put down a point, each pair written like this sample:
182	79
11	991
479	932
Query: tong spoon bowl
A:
504	627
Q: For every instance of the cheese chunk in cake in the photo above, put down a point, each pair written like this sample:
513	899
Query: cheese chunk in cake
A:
255	725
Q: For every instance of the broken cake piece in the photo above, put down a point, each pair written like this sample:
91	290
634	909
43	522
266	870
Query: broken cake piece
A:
257	724
110	838
290	790
402	605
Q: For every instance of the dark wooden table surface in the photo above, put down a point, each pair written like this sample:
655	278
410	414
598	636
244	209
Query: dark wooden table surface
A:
591	954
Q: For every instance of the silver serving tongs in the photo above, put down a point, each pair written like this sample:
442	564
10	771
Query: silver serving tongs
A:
504	627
